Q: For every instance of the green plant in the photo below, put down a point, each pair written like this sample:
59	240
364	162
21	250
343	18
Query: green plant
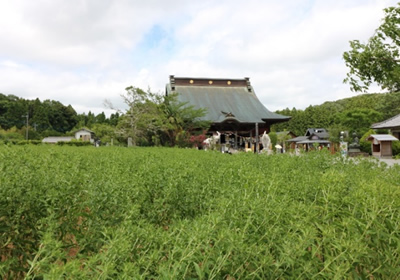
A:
148	213
365	145
396	148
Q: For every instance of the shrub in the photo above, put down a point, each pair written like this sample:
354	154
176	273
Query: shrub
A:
274	139
26	142
76	143
365	145
396	148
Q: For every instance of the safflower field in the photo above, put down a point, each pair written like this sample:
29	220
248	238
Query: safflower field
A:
167	213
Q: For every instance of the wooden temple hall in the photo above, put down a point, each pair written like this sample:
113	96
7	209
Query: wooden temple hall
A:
232	107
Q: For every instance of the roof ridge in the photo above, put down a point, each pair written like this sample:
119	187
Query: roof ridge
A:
385	121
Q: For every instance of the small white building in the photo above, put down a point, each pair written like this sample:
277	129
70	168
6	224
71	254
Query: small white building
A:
83	134
382	144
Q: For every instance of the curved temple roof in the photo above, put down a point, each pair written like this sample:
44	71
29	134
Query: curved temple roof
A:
226	100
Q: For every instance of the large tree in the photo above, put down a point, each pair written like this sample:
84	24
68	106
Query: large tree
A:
154	118
142	115
358	120
377	60
181	120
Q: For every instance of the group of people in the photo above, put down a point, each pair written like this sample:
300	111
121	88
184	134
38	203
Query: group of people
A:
246	143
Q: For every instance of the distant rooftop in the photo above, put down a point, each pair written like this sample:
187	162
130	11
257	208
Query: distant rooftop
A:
55	139
389	123
320	132
383	137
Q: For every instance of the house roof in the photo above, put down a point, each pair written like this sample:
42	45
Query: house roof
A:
382	137
226	100
389	123
55	139
321	133
320	141
298	139
84	129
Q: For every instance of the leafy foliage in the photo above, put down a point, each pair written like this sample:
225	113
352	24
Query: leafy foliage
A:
11	134
149	213
359	119
378	59
152	118
365	145
182	120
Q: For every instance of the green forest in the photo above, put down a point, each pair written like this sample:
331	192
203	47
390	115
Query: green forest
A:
52	118
173	124
150	120
354	114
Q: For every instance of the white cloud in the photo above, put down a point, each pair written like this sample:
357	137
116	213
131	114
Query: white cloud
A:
83	52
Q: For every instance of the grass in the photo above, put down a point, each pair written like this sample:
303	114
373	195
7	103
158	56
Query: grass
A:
158	213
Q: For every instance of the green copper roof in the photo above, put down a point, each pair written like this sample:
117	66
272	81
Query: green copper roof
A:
230	102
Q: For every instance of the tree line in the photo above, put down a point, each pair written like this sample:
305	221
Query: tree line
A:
150	120
44	118
153	119
354	114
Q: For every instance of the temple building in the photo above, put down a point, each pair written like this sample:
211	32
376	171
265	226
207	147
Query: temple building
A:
232	105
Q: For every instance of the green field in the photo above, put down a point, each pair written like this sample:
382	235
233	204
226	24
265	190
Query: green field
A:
159	213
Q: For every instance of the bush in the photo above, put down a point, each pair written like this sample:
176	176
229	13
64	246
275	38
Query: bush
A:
27	142
396	148
12	134
274	139
76	143
365	145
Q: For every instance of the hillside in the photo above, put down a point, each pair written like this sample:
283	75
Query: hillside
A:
353	114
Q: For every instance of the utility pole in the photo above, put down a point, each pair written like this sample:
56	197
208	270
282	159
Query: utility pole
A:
27	123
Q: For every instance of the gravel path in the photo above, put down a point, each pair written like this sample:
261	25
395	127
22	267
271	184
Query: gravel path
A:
390	161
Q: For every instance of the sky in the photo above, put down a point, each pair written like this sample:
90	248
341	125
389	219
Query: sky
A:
83	52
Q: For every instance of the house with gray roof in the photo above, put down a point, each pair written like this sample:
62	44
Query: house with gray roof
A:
312	137
393	124
381	145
